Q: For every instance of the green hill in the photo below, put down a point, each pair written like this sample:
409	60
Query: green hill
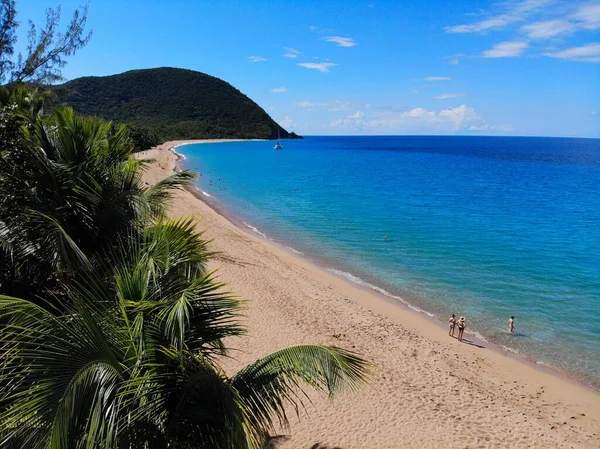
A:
173	103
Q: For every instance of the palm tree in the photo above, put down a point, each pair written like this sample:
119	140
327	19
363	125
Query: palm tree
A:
132	361
68	188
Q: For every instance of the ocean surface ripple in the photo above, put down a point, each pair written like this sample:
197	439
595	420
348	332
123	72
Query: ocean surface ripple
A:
485	227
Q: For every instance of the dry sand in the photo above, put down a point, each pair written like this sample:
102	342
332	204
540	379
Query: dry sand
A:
428	390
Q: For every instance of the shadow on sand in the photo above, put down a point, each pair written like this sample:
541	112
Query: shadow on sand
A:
472	343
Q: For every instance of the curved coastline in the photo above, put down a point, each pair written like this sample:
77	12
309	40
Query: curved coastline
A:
380	292
497	369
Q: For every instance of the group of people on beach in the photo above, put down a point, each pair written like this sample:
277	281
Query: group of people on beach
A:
461	323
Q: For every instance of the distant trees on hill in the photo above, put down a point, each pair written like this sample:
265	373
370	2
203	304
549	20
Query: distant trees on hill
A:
112	329
171	103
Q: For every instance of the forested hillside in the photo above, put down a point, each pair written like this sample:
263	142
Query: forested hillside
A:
172	103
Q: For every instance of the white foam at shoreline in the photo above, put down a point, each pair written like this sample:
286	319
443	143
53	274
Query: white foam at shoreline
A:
203	192
254	229
179	155
356	280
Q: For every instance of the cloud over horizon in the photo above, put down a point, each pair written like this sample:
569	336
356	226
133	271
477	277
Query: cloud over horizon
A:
279	89
257	58
453	119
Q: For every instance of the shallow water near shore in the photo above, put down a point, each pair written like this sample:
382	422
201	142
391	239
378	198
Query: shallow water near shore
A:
485	227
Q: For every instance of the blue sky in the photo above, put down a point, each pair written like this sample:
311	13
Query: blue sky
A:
375	67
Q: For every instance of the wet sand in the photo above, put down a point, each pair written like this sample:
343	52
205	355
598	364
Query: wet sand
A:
428	390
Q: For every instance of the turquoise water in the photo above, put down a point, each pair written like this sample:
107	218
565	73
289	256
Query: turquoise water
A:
484	227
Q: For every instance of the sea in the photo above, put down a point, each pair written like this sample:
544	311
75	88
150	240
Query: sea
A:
482	227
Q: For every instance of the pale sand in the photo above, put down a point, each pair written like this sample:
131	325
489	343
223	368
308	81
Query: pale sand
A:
428	391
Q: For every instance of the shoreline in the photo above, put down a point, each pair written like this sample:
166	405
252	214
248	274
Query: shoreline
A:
505	365
382	294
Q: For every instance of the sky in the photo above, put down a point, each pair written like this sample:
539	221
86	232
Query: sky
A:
349	67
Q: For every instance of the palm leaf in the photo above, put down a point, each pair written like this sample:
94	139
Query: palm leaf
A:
267	385
158	195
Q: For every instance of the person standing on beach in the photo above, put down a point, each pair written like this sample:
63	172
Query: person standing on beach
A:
452	323
511	324
461	327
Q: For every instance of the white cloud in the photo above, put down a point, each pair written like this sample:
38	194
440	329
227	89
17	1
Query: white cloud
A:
413	91
585	53
352	121
447	96
501	128
496	22
320	66
459	116
338	105
287	122
594	113
506	50
546	29
341	41
588	16
508	12
279	89
450	119
312	28
257	59
291	52
304	104
418	112
437	78
454	62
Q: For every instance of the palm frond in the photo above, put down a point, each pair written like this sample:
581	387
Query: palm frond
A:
158	195
67	252
58	374
272	381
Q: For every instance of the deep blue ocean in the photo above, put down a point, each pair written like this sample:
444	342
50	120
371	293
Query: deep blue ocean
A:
485	227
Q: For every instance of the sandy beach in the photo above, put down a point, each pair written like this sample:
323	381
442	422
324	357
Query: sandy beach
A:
427	391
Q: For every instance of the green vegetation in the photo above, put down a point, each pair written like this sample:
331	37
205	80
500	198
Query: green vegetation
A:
171	103
112	329
68	188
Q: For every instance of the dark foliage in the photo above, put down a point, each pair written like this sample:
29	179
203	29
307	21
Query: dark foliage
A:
68	188
142	138
171	103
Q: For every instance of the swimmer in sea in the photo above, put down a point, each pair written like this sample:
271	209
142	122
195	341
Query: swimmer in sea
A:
386	237
511	324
